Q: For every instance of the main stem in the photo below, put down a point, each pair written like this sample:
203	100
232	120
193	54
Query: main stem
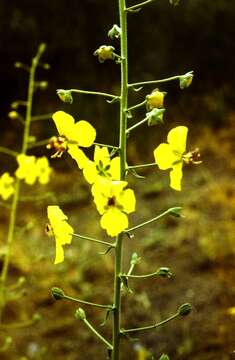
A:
16	195
122	146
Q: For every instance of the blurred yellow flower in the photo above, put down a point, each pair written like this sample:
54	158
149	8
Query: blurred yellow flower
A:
73	135
31	168
6	186
170	156
60	229
102	166
27	169
113	203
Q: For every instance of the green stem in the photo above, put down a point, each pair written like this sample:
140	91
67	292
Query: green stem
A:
15	201
38	143
108	146
97	334
140	276
136	125
150	327
41	117
137	105
122	154
87	302
141	166
8	151
150	221
94	93
155	81
94	240
139	6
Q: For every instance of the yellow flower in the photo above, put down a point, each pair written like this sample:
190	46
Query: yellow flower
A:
72	135
102	166
44	170
27	169
60	229
6	186
30	168
170	156
113	203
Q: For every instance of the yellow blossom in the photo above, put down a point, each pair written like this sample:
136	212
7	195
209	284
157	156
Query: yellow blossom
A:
102	166
73	135
27	169
155	99
31	168
60	229
6	186
170	156
113	203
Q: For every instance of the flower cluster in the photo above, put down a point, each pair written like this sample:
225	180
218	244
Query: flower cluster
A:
31	168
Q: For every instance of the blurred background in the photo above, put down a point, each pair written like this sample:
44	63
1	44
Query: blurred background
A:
164	41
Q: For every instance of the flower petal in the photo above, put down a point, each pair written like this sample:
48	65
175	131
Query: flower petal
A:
115	168
64	123
101	154
177	138
127	200
78	155
114	221
90	172
164	156
176	175
83	133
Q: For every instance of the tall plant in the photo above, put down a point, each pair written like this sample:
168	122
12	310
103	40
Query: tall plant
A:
107	175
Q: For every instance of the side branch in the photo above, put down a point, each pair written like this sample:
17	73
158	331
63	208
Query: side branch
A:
8	151
155	81
95	93
94	240
172	211
139	6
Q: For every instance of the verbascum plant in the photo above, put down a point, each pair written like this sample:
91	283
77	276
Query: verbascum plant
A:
29	169
107	173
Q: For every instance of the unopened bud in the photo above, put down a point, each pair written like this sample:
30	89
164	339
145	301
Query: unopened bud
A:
135	259
13	115
155	116
80	314
164	357
164	272
18	65
155	99
37	317
57	293
185	309
65	95
186	80
42	85
174	2
105	52
42	48
114	32
176	211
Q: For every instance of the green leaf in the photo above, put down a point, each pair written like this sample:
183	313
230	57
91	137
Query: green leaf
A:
164	357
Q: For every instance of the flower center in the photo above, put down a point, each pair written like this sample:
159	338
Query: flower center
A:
59	144
111	201
192	157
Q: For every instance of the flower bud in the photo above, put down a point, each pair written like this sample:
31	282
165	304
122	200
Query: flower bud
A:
186	80
114	32
80	314
42	85
57	293
155	116
105	52
36	317
174	2
13	115
65	95
155	99
164	272
18	65
164	357
185	309
176	211
135	259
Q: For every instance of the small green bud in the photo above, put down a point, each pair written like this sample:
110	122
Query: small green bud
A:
46	66
80	314
174	2
155	116
65	95
164	357
114	32
42	85
57	293
186	80
37	317
105	52
176	211
164	272
185	309
42	48
135	259
18	65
